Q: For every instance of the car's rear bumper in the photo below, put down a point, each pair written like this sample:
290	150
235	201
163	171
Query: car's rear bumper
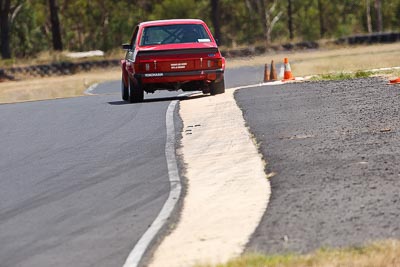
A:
181	76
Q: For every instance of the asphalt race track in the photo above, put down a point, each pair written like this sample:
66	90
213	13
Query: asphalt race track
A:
335	149
82	178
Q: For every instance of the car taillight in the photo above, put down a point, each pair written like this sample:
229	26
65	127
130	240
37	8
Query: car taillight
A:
214	63
219	63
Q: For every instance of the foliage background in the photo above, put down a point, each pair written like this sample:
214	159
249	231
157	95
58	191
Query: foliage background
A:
106	24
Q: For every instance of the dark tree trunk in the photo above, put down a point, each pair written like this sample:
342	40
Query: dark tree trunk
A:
378	9
5	28
290	19
55	26
368	15
322	28
215	19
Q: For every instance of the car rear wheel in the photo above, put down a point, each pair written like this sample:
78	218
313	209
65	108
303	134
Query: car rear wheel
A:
217	87
124	91
136	92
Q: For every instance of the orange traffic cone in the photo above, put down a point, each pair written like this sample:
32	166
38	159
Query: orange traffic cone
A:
394	81
266	75
272	75
287	75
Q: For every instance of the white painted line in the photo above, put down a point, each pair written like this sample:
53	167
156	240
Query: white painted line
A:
189	93
136	255
384	69
90	89
141	246
257	85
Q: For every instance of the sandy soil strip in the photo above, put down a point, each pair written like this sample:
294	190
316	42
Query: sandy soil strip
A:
54	87
228	191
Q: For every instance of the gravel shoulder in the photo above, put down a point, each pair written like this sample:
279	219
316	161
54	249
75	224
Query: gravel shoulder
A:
334	147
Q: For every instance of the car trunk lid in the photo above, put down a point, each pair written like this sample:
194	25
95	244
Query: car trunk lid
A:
170	58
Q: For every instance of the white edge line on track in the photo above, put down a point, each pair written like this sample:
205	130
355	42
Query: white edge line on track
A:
136	255
142	245
90	89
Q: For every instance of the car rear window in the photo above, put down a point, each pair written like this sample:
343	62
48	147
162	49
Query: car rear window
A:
174	34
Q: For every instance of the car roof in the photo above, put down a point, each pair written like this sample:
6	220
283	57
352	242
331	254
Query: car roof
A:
171	22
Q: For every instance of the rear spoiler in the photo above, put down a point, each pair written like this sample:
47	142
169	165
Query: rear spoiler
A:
179	51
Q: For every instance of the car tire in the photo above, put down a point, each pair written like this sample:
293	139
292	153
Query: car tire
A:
136	92
217	87
124	91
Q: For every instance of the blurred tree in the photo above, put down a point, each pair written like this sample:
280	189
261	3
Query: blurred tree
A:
290	19
5	6
322	27
177	9
254	20
267	15
306	20
378	9
28	36
26	26
272	17
368	15
215	13
55	26
8	12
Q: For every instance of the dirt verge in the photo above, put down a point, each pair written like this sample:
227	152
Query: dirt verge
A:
54	87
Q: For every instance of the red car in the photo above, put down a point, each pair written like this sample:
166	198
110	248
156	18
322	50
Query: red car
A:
171	55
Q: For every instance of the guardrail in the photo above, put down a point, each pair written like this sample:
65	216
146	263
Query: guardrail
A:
54	69
373	38
258	50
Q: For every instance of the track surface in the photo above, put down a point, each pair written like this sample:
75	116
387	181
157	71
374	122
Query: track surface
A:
81	179
335	149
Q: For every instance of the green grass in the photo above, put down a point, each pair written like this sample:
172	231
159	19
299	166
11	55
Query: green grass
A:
377	254
343	75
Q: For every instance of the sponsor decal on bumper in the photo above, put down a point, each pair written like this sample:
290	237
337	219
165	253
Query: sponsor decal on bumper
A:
153	75
181	73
